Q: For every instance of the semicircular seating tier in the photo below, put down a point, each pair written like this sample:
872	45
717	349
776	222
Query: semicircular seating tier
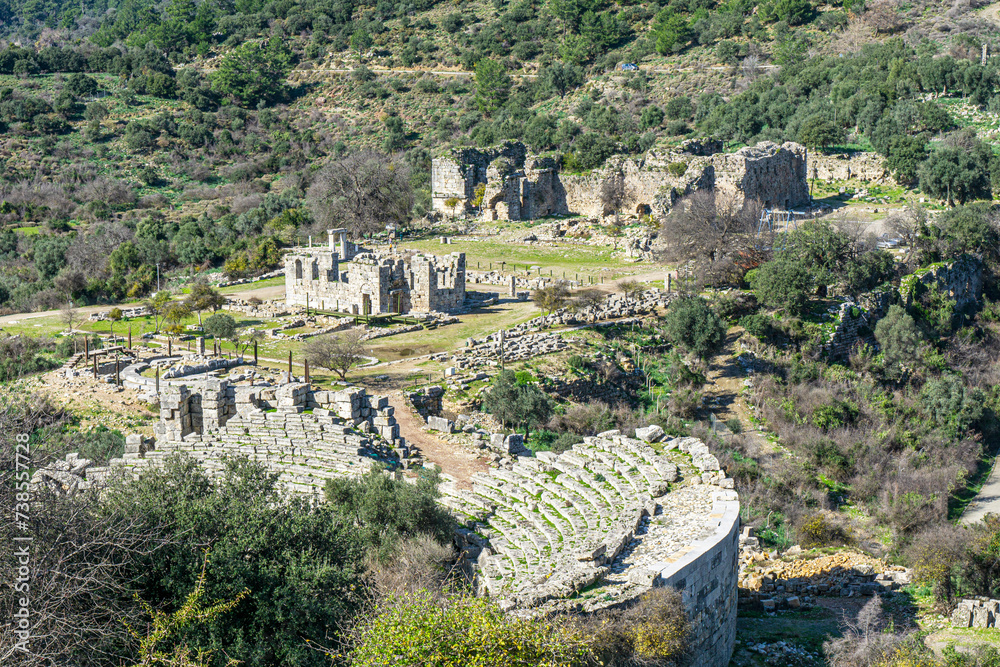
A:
595	525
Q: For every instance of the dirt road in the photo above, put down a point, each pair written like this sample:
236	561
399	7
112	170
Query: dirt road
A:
454	461
83	312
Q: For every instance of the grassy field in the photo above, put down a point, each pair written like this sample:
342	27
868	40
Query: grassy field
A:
560	260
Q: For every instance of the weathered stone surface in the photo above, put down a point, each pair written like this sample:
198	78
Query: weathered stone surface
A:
652	433
582	529
523	187
440	424
347	278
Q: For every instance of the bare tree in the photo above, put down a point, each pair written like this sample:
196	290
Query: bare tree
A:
631	288
336	351
82	560
883	17
68	315
551	297
614	192
591	298
853	37
363	192
750	67
718	232
89	253
865	641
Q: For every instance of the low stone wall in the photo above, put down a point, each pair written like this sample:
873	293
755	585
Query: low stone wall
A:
976	613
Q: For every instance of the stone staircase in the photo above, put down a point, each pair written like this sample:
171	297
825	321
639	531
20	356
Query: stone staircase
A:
553	526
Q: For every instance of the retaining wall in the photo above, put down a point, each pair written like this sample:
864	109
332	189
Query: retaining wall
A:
706	576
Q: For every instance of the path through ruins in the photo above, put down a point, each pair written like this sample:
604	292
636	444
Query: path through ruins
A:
454	461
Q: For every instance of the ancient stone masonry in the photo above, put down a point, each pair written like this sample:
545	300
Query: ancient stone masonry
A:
343	277
305	436
863	166
961	280
518	186
456	177
426	402
604	522
978	612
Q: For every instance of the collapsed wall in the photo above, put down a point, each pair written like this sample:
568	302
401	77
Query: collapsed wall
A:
854	322
604	522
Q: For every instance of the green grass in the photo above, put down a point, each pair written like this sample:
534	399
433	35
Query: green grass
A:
270	282
557	260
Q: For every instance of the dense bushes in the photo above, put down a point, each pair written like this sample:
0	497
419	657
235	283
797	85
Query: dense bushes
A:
418	629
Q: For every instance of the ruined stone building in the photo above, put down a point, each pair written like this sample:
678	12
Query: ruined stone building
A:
347	278
518	186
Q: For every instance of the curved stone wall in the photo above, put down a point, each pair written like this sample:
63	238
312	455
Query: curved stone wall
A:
600	524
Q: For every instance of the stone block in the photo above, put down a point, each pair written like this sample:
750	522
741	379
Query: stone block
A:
440	424
982	618
961	617
651	433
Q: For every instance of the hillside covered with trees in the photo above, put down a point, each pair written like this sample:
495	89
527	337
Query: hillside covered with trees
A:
193	136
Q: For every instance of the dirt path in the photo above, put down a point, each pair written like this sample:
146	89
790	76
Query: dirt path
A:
725	382
987	501
84	311
453	461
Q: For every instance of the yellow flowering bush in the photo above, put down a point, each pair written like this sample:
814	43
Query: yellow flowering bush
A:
419	629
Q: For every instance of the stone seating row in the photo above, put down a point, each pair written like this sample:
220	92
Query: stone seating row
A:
550	525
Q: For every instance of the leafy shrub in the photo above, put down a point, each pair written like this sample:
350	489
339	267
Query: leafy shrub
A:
386	509
524	377
416	628
101	445
947	402
834	415
759	325
732	307
734	425
677	169
692	325
819	530
577	362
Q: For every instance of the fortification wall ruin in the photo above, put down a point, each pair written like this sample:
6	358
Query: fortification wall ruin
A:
961	280
519	186
865	166
604	522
